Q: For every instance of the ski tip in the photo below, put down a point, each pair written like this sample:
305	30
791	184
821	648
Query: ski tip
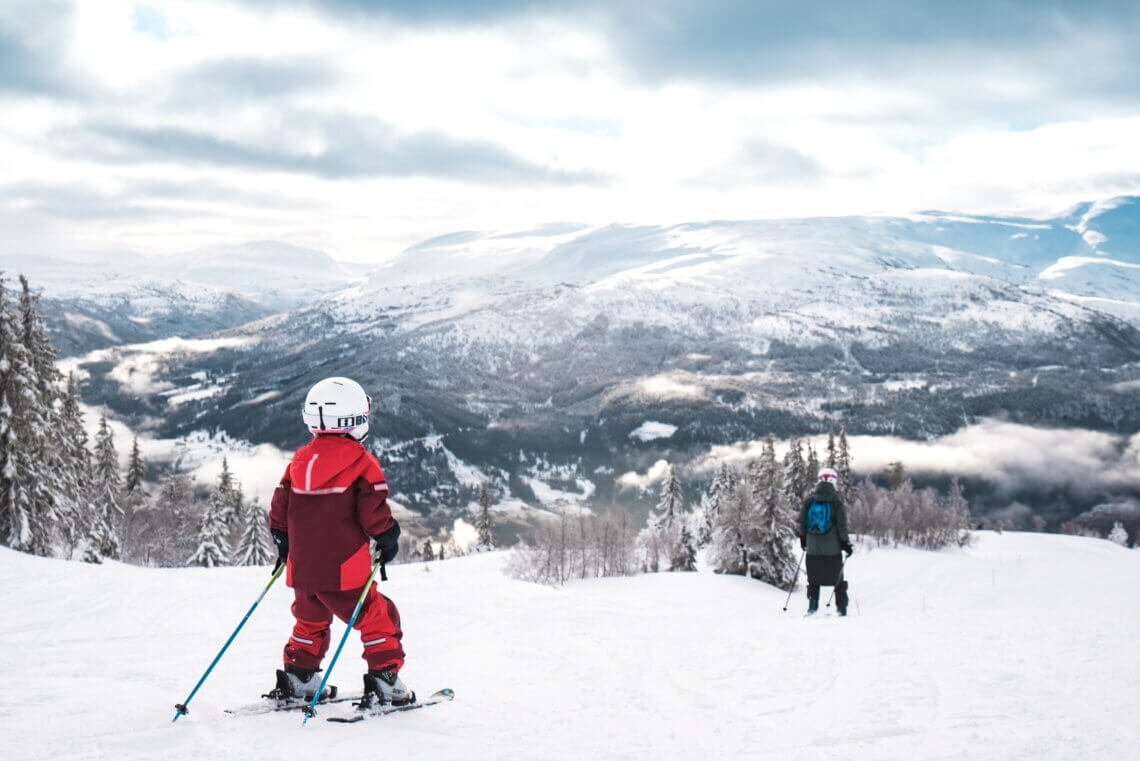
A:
446	694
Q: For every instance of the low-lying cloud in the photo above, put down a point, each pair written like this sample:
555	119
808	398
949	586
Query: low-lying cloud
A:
1004	454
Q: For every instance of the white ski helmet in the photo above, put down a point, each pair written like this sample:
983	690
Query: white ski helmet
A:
829	475
337	405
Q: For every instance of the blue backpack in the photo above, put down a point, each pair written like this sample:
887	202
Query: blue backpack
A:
819	517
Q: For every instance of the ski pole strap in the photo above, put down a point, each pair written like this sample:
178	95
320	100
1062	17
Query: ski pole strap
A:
181	708
383	572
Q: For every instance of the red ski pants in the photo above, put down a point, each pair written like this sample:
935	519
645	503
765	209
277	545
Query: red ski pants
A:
378	624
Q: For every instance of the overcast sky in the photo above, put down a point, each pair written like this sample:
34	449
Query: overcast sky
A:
157	127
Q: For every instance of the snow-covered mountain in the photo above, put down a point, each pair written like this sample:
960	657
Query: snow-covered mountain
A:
98	301
532	359
1016	648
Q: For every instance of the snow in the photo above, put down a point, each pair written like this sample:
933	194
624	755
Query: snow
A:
1020	647
650	430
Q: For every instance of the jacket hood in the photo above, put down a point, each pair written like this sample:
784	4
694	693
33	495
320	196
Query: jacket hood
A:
318	464
825	490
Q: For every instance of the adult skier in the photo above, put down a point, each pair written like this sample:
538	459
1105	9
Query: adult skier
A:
331	500
822	529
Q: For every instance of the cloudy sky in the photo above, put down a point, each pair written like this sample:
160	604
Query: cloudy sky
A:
363	127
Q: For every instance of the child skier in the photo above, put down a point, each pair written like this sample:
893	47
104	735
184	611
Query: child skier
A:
822	529
332	498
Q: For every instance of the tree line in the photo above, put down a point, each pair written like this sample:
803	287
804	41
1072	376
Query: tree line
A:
64	495
745	523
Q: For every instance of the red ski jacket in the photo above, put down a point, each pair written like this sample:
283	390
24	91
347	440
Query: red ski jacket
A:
332	498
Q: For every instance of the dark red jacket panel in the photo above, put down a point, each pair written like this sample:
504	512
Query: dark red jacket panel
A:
332	498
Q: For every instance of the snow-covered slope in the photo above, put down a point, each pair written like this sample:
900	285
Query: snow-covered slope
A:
1021	647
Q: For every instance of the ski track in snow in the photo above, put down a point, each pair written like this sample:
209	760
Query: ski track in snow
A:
1020	647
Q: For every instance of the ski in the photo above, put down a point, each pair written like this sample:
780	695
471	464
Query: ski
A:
267	706
443	696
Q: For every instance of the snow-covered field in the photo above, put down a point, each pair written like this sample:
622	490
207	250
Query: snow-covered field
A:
1021	647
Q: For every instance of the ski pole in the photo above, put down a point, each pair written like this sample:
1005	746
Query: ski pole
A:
181	708
309	710
838	581
794	580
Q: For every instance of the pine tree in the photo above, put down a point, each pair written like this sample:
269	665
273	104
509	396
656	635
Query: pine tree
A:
136	468
42	434
27	509
772	534
728	552
254	547
1118	534
723	484
172	513
483	525
832	459
107	489
213	543
75	475
663	530
685	552
812	463
843	464
228	495
796	481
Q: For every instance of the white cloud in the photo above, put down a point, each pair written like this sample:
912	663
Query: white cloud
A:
569	93
1002	453
656	473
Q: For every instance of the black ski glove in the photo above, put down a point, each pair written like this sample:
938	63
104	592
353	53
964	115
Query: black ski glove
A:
387	545
281	539
847	548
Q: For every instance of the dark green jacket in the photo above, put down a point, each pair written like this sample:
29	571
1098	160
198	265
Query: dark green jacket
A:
831	542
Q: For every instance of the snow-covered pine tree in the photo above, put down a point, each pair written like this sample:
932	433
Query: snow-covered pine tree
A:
213	534
843	464
685	551
663	529
43	423
812	463
1118	535
723	484
254	546
228	495
796	482
75	470
107	492
832	457
27	514
728	551
165	531
483	525
671	503
136	469
771	539
958	513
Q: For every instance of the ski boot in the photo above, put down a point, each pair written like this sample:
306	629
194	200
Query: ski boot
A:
383	687
813	605
296	685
